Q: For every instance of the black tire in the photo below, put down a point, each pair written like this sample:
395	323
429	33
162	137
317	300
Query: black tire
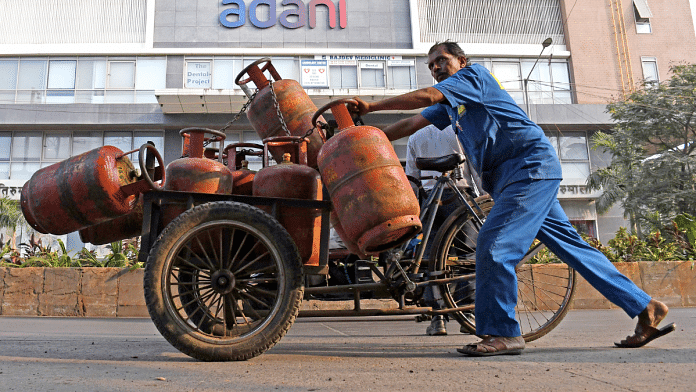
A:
544	291
223	282
454	251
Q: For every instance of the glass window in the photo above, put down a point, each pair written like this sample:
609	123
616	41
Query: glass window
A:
642	15
8	73
561	83
372	74
224	73
575	173
121	140
650	74
142	137
508	74
61	74
32	75
151	74
198	74
57	146
122	74
573	145
119	96
91	73
23	170
5	170
84	141
344	76
26	146
288	68
5	143
7	96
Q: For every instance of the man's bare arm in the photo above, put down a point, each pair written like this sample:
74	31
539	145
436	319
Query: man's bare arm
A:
414	100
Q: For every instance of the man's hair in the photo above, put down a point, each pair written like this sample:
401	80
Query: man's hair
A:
451	47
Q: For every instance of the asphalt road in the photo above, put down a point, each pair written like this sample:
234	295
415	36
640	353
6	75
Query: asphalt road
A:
74	354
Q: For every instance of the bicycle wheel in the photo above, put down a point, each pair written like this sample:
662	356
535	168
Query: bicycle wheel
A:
223	282
544	290
454	252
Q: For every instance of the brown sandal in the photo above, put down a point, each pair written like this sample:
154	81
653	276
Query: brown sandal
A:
494	345
645	335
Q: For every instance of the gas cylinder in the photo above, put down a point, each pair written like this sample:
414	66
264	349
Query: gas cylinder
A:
292	179
195	173
123	227
278	102
131	224
369	191
242	177
81	191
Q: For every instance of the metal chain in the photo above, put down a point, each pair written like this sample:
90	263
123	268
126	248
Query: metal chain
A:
244	109
277	107
229	123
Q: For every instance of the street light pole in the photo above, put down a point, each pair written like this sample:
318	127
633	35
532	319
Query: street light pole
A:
547	42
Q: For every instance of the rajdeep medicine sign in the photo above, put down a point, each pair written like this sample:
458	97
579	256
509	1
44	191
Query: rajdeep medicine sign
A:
293	13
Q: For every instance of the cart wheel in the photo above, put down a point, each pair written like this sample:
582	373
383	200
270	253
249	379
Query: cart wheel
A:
223	282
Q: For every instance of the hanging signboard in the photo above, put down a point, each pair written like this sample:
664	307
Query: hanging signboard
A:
314	74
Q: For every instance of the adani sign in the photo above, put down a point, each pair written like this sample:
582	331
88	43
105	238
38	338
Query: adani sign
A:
236	17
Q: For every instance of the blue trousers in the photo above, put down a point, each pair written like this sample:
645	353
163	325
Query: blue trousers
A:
523	211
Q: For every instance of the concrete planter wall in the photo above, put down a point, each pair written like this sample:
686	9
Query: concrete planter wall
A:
116	292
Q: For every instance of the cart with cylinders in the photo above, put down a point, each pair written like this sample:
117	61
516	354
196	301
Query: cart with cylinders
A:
230	254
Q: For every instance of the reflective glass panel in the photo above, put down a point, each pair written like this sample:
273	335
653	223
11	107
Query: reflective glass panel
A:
26	146
8	74
84	141
23	170
5	143
122	74
32	75
57	146
61	74
151	74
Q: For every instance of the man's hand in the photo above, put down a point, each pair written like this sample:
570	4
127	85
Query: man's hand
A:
361	109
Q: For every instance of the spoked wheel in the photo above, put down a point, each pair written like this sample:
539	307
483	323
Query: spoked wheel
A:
454	252
544	290
223	282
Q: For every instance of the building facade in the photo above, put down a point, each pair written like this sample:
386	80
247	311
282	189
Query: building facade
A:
122	73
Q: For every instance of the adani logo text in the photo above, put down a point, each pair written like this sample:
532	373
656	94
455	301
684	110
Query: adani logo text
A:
293	16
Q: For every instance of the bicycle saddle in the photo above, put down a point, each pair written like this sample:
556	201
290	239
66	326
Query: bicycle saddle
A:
441	164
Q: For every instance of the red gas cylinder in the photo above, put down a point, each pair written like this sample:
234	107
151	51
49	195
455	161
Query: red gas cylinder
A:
123	227
293	180
131	224
284	98
373	200
81	191
236	161
196	173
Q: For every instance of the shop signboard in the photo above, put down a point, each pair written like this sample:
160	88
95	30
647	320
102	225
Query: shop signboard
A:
314	74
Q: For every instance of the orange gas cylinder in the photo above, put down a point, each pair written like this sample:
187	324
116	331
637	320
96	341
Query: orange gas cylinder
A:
370	193
121	228
196	173
81	191
293	180
236	161
278	102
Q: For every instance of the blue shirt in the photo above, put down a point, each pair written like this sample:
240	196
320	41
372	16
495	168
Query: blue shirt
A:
501	142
